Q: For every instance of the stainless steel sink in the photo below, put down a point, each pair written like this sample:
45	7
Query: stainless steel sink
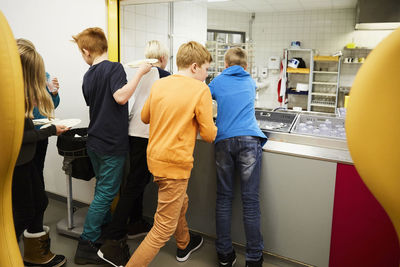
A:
275	121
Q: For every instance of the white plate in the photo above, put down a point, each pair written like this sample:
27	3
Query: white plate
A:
137	63
68	123
43	121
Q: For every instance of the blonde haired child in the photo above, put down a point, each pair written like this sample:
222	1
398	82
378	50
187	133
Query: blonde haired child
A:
34	80
236	56
238	149
154	49
28	195
186	109
41	145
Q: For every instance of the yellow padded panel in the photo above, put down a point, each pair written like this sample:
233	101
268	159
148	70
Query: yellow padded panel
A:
12	123
373	124
113	30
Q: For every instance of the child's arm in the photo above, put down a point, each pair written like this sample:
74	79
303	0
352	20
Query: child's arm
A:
204	117
145	114
122	95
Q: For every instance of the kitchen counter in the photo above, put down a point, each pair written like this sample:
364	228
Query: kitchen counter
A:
297	189
326	149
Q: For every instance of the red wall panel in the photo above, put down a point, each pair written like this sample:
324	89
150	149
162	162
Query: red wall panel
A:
362	233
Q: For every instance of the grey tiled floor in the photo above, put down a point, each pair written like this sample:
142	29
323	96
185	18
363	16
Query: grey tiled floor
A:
204	257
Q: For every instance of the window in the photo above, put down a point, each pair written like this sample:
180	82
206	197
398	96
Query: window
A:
226	36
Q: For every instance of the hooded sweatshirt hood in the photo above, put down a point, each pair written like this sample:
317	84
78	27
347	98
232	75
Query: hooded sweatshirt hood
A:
234	90
235	70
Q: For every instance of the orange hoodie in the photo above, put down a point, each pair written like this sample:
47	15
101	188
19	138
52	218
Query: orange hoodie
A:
177	108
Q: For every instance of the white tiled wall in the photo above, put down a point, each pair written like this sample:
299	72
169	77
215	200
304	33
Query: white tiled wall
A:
228	20
326	31
145	22
190	24
140	24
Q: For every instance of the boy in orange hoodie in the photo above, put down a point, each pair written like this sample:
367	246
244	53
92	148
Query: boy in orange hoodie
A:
179	106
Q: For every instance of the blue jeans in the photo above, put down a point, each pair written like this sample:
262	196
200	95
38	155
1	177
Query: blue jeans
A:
109	171
241	155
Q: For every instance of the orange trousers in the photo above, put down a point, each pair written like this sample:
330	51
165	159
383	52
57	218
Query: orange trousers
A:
169	220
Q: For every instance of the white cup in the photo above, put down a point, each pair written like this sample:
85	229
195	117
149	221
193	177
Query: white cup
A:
348	60
50	84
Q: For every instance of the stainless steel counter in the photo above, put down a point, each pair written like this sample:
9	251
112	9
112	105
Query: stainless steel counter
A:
326	149
293	142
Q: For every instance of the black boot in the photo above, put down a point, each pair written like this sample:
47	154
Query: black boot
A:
86	253
115	252
258	263
227	260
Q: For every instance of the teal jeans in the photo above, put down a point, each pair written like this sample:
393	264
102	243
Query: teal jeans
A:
109	172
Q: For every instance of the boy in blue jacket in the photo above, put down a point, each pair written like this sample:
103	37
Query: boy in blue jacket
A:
238	148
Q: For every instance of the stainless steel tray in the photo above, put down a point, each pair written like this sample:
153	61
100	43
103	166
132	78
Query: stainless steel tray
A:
322	126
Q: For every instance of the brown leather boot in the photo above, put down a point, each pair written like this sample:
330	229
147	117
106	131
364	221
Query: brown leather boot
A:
37	250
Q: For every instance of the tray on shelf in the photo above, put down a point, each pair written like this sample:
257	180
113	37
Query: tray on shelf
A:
322	126
275	121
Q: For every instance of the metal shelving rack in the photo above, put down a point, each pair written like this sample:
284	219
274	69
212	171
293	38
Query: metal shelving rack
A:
323	93
293	76
217	51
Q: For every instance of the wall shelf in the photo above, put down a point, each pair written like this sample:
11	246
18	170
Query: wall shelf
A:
326	72
353	62
323	104
298	70
326	58
325	83
324	94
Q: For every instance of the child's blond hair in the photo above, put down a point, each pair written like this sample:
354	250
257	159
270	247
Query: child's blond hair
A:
93	40
236	56
192	52
154	49
34	80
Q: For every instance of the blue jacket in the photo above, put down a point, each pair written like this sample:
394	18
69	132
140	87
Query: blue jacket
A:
234	90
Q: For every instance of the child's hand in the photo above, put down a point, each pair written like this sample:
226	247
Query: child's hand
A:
61	129
144	68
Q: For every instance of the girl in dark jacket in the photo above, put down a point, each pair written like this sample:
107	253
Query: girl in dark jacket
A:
29	198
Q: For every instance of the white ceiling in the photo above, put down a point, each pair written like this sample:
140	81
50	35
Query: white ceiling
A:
280	5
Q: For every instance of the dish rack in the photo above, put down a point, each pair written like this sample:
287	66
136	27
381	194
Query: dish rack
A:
322	126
